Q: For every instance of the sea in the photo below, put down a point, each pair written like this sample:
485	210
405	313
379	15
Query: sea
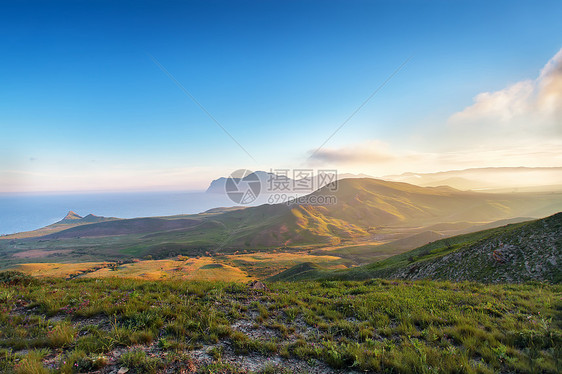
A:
24	212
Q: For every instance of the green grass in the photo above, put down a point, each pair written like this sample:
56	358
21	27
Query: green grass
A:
53	325
364	207
436	249
533	250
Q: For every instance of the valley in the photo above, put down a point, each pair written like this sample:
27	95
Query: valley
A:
371	221
391	278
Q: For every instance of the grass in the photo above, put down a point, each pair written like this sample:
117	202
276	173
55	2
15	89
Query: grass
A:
138	360
269	263
204	268
364	207
236	268
58	269
81	325
532	250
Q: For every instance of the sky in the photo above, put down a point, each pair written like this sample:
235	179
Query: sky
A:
168	95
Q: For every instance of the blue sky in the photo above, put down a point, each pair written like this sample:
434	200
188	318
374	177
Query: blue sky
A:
83	106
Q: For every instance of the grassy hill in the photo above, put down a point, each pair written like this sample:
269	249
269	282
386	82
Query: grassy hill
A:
69	221
363	205
373	252
138	326
363	211
513	253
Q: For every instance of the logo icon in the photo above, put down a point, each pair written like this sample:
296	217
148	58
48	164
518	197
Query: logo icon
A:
243	186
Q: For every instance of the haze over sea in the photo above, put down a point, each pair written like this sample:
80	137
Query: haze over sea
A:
25	212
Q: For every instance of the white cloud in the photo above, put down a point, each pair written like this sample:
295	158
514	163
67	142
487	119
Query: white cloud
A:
520	125
373	151
533	107
550	87
376	157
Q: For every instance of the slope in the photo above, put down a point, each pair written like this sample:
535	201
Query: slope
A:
359	210
510	254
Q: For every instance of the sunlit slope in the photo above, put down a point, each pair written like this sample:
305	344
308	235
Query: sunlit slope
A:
363	205
362	208
514	253
370	202
203	268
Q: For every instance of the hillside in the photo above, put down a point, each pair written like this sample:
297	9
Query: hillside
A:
71	220
361	211
516	253
377	202
177	326
364	205
365	253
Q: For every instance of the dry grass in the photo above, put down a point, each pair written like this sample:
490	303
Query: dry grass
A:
204	268
265	265
58	270
231	268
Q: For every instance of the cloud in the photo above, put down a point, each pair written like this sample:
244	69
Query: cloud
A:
520	125
550	86
381	158
373	151
533	107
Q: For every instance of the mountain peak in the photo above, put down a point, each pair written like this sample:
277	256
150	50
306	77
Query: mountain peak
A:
72	216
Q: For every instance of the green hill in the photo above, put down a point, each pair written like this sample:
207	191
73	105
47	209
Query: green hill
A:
364	205
530	251
360	211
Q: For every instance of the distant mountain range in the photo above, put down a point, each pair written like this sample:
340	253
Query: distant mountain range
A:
361	209
363	205
499	179
493	179
362	221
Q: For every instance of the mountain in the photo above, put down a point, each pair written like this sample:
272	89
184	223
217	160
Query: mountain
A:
362	211
372	202
529	251
71	220
70	217
499	179
358	209
518	253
